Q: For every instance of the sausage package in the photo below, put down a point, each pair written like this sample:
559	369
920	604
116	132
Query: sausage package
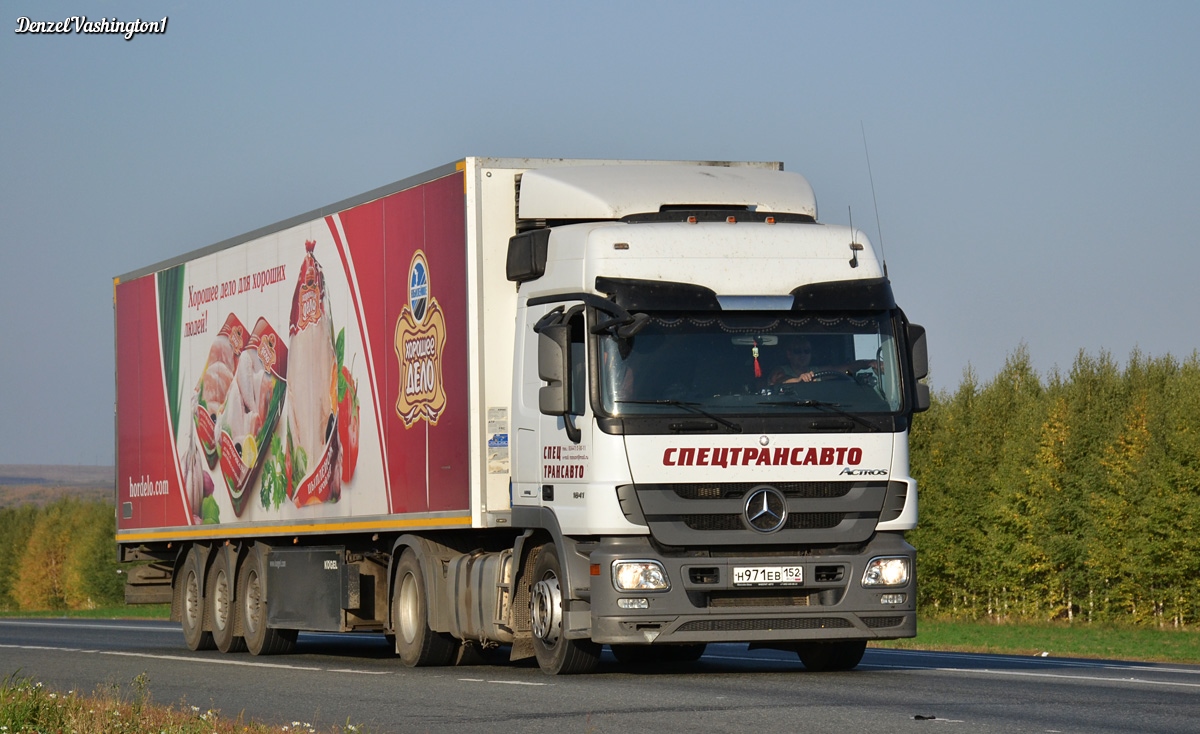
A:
312	391
213	387
252	408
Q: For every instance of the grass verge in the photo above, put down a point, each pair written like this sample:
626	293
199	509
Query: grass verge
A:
28	706
139	611
1102	641
1079	640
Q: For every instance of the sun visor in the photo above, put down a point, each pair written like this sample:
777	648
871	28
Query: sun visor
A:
874	294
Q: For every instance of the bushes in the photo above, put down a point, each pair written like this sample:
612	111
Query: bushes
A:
61	556
1074	498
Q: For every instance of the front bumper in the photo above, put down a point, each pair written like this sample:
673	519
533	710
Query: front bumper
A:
704	605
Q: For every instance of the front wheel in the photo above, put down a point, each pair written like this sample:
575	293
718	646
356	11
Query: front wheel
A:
556	654
820	657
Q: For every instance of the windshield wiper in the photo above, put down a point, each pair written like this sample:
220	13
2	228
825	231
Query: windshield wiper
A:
831	407
686	406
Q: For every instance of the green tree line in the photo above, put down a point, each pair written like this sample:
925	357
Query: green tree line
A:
1074	497
61	556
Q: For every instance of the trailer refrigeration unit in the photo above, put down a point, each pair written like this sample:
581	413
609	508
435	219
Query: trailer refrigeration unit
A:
546	404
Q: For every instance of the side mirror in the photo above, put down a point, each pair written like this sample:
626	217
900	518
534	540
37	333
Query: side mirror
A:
920	351
553	351
527	253
921	404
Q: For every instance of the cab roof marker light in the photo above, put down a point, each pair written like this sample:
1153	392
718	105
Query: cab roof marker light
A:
731	219
770	220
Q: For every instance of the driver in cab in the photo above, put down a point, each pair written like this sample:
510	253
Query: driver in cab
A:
799	366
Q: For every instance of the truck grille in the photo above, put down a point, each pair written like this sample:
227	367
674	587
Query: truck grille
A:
881	622
714	514
738	490
797	521
764	625
723	599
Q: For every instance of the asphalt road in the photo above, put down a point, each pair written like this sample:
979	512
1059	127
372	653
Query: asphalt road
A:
338	679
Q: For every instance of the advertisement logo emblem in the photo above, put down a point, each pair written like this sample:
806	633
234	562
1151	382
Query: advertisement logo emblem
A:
420	343
418	287
766	509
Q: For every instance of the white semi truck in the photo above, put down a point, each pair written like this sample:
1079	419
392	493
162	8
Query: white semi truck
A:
546	404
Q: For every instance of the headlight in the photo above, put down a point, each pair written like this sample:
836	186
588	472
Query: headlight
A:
639	576
886	572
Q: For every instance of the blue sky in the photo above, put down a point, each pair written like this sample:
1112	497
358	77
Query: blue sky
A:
1035	164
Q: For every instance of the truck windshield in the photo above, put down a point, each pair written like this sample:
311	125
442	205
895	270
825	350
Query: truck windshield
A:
751	363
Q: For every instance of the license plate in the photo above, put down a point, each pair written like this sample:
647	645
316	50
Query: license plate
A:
768	575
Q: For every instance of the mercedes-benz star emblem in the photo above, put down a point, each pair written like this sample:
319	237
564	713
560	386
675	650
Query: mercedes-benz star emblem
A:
766	509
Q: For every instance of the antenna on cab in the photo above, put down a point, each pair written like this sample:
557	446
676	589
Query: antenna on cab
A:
871	176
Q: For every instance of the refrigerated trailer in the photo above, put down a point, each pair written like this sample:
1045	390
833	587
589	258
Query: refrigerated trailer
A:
540	404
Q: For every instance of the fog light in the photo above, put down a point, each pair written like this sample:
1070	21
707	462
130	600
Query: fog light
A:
886	572
639	576
633	603
893	598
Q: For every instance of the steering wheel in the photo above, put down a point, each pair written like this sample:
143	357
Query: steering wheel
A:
823	375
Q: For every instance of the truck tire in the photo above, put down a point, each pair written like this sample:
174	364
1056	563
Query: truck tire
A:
252	605
222	610
192	603
416	644
556	655
820	657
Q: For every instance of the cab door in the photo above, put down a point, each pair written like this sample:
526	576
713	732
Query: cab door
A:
554	420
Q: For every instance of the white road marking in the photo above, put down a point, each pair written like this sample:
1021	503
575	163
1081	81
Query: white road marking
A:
503	682
1031	674
1026	674
197	659
1047	662
91	625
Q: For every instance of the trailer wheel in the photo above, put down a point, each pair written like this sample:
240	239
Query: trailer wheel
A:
192	612
820	657
556	654
222	611
252	603
416	644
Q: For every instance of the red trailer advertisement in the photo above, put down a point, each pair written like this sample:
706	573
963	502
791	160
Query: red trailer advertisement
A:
306	378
